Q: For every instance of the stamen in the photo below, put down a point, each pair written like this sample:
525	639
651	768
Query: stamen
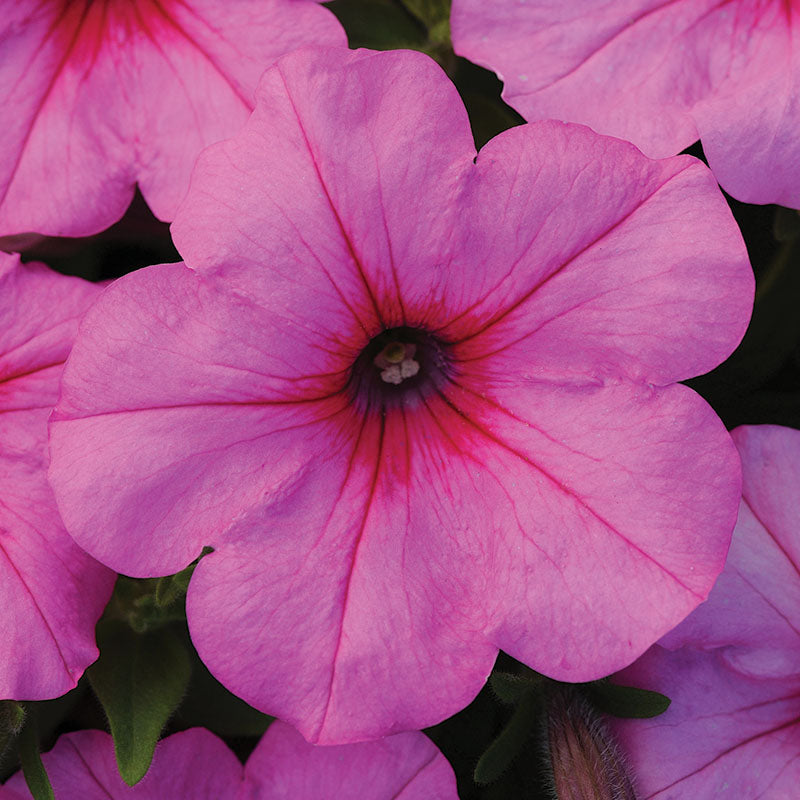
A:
396	362
399	367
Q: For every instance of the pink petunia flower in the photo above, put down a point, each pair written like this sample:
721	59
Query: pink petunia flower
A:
101	96
196	764
660	74
51	592
423	408
732	669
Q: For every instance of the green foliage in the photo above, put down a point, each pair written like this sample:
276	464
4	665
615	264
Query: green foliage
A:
511	687
172	588
140	678
12	719
378	24
429	12
626	701
512	739
435	16
32	767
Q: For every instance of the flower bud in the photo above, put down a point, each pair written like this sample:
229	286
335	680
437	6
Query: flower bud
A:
584	761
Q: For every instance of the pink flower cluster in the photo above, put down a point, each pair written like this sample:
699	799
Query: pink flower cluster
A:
375	542
196	764
422	403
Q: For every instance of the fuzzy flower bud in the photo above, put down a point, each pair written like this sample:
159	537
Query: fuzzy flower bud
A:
584	761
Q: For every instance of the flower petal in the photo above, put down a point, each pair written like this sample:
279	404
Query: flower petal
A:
352	212
593	63
754	610
333	607
51	592
128	92
731	668
748	124
369	559
659	74
193	763
654	284
612	531
406	766
179	389
722	729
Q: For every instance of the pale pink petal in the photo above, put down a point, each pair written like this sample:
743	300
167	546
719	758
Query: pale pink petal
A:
731	669
621	67
659	74
638	479
188	415
748	126
593	278
196	764
205	57
355	213
723	732
51	592
653	285
332	606
403	767
754	609
771	483
191	764
63	170
357	613
32	335
105	95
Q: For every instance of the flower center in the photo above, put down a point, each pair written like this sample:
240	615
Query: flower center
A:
396	362
399	367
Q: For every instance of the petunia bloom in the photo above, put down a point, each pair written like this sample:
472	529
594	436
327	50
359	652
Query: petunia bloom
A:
101	96
196	764
660	74
422	408
732	669
51	592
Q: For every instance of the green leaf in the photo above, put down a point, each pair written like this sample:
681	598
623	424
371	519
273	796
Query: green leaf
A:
32	768
172	588
435	16
139	679
430	12
627	701
510	687
12	719
509	744
377	24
